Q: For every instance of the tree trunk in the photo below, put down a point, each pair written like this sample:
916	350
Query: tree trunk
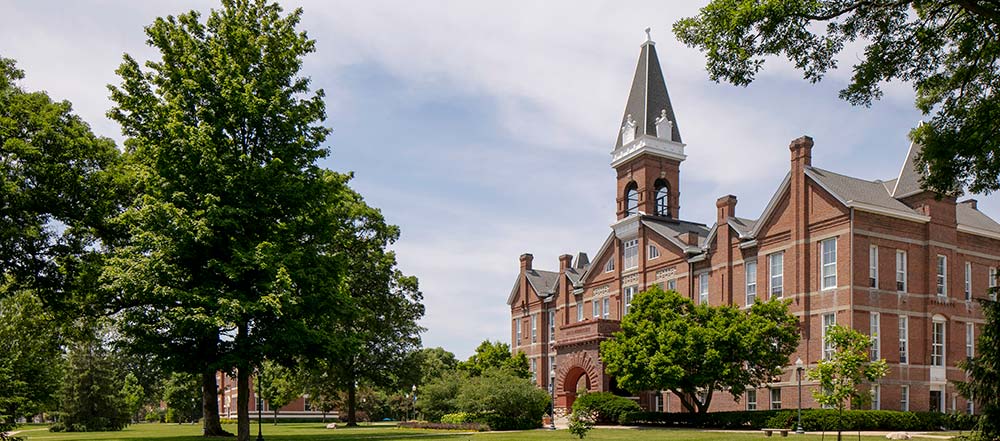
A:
243	390
352	396
275	417
685	401
211	426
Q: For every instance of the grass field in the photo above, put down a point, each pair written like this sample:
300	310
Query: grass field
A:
317	432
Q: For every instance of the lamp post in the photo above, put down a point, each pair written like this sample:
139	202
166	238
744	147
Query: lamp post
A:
799	367
414	391
552	403
260	402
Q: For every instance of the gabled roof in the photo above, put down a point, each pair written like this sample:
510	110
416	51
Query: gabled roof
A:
771	205
742	226
544	283
908	181
597	257
975	221
672	229
853	191
648	97
575	275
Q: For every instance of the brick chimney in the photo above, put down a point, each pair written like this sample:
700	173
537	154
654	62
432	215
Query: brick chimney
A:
690	238
526	259
726	208
565	261
971	203
801	149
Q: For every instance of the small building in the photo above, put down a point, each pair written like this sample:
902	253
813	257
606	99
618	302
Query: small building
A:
299	409
883	257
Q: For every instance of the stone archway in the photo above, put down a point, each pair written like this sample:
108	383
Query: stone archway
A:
576	371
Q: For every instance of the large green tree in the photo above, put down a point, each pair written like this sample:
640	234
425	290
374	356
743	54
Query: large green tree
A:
233	230
182	393
947	49
490	355
91	393
432	363
840	377
669	343
279	385
31	358
983	372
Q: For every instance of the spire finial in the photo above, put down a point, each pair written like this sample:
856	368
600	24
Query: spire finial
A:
649	39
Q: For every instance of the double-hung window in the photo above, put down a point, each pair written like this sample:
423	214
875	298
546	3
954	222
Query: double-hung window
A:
828	248
751	278
596	307
873	266
610	265
579	311
517	332
904	398
672	284
968	281
993	284
534	370
970	340
703	289
629	293
900	270
776	398
631	254
829	320
552	324
534	328
937	344
942	276
776	269
653	252
876	397
904	337
874	325
607	307
751	399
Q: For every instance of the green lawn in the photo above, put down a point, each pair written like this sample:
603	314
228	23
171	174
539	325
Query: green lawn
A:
317	432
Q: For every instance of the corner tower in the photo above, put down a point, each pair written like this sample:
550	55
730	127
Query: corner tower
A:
648	149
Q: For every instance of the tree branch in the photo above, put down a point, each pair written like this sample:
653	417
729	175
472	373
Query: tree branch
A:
975	7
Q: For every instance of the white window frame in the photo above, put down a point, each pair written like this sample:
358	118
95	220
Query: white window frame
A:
672	284
579	311
776	272
703	289
829	320
938	342
968	281
873	266
874	325
606	307
517	331
534	370
630	251
751	399
534	328
552	325
596	307
904	339
876	397
904	398
652	252
750	267
901	271
828	260
970	339
630	292
993	283
609	266
775	404
942	275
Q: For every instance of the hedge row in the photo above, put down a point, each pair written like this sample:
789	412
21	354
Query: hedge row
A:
605	407
469	427
812	420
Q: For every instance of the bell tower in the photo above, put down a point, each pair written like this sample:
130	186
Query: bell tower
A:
648	149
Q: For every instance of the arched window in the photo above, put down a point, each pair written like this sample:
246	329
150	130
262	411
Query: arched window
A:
662	198
631	199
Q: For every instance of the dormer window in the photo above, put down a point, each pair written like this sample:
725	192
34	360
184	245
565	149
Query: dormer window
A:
631	199
662	198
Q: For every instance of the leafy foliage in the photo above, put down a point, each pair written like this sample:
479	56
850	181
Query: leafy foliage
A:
134	396
432	363
440	396
503	400
606	407
495	355
812	420
580	424
182	392
840	376
983	372
279	386
31	362
668	343
948	51
91	393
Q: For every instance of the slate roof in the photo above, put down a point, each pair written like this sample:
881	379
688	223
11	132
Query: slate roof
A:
672	229
742	226
543	282
849	189
908	181
648	97
971	217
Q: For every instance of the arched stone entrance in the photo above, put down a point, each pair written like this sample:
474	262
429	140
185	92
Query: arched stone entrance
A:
577	372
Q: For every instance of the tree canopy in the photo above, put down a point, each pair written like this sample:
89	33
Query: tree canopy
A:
948	50
983	370
490	355
669	343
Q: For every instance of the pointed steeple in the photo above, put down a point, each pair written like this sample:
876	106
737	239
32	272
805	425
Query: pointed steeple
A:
908	181
648	101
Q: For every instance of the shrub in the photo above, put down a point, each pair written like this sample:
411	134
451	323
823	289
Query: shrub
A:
439	397
606	407
580	423
812	420
476	427
457	418
503	401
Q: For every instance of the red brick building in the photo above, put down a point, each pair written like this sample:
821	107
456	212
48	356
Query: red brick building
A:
882	257
299	409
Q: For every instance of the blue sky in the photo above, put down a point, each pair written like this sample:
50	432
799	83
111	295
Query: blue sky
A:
484	130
